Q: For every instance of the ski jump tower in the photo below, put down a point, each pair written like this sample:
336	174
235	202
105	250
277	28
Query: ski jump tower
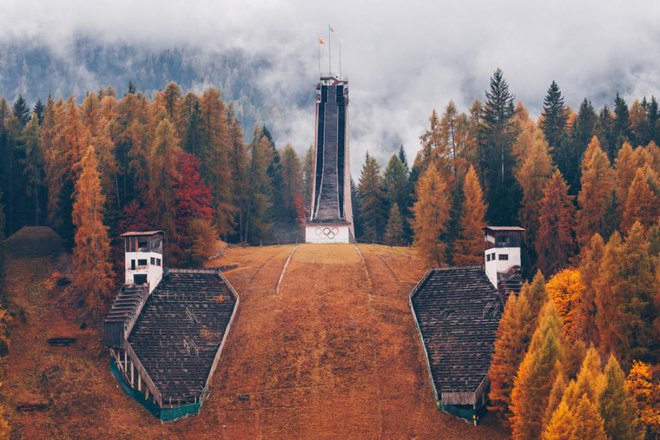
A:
331	214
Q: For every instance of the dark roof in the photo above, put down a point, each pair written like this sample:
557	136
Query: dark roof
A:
503	228
180	329
140	233
458	312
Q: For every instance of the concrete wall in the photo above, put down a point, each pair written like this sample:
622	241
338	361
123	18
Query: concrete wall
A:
496	265
153	272
329	233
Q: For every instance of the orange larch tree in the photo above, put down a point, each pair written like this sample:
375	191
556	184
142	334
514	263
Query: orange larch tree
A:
589	269
513	336
533	174
536	376
596	186
93	276
431	211
566	289
642	203
470	243
555	243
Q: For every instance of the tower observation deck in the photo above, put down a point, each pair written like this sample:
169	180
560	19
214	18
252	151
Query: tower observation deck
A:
331	217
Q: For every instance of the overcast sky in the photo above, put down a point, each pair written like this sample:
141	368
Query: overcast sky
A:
402	58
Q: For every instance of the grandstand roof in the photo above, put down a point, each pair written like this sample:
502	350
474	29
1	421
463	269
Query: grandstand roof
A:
180	330
457	312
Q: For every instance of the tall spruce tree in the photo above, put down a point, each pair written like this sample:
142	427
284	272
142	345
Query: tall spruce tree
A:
292	183
394	235
497	133
622	131
553	123
259	216
606	133
584	128
372	201
396	183
238	158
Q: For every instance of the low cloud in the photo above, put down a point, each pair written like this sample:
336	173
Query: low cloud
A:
402	58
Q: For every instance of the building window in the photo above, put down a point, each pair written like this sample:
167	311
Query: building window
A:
503	256
132	264
142	262
157	261
153	260
142	245
487	257
502	240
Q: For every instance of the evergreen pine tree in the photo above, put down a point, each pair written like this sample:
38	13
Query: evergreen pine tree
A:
469	246
555	243
21	111
372	201
93	277
639	124
308	178
238	158
292	183
497	133
553	123
258	218
605	132
596	185
583	131
394	235
622	132
403	158
431	213
38	111
396	182
191	113
33	166
611	217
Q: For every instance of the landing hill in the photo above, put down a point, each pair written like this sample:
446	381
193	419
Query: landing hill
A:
326	348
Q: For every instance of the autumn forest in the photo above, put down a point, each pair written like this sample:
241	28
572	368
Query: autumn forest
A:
577	350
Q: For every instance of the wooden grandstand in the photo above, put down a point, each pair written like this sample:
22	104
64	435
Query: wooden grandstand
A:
166	345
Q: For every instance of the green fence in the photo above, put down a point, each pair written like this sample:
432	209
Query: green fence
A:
165	414
466	412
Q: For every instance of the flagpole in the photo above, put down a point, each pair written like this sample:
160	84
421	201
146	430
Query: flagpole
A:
329	53
340	43
318	43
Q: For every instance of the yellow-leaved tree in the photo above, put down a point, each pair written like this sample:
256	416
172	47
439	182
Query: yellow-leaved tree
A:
93	271
431	211
470	242
566	290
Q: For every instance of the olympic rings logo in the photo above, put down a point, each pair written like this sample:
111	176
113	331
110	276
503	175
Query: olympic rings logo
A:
327	232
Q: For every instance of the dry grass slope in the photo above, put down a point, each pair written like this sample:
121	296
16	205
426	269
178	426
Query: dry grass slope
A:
333	355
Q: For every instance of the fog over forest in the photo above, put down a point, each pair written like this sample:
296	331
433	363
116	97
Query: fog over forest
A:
402	58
